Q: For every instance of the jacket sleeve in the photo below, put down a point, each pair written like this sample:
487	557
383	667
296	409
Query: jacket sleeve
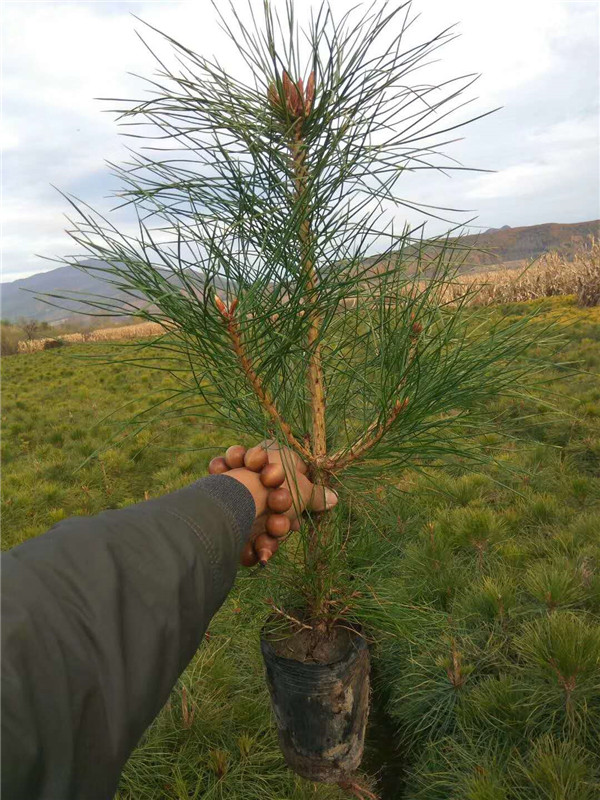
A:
100	617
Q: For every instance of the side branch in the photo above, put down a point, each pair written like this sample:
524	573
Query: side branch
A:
376	430
364	443
262	394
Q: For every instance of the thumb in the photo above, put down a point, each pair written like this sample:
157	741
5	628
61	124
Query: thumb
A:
322	499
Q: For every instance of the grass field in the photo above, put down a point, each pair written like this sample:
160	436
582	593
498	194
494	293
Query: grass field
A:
494	691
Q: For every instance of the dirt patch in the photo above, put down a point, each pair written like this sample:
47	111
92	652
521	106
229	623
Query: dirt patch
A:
313	647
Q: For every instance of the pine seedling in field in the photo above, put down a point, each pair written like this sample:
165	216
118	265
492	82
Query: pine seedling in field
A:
254	230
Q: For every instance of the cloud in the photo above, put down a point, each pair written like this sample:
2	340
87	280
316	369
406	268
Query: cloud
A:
537	59
520	180
568	149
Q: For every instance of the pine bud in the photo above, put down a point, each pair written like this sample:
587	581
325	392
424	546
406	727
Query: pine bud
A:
297	101
310	93
220	305
273	95
293	99
222	308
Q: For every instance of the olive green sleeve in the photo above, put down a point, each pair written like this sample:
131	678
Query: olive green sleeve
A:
99	618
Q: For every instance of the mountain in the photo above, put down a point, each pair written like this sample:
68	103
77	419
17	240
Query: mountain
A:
514	247
506	244
493	230
18	298
496	247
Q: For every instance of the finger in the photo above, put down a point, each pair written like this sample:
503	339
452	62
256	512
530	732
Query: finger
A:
291	460
256	458
301	466
278	525
218	466
272	475
295	524
279	500
248	557
259	526
301	490
322	499
264	547
234	456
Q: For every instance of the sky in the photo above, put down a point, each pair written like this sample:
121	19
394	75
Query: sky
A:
538	59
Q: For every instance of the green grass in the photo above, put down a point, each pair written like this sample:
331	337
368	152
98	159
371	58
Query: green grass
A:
493	693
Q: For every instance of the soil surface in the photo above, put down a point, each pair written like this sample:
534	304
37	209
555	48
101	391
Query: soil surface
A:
313	647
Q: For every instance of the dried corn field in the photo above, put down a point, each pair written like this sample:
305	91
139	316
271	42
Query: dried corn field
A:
143	330
549	276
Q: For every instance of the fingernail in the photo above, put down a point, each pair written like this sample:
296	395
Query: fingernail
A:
331	498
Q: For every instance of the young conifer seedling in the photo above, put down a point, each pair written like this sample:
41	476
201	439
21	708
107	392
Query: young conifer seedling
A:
259	204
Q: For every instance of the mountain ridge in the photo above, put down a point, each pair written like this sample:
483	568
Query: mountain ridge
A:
493	249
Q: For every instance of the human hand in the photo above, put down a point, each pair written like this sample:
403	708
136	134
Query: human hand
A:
276	478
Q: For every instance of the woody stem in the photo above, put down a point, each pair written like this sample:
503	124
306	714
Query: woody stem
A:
263	395
317	536
315	369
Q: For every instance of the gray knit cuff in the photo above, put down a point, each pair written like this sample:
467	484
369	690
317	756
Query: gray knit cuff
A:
236	501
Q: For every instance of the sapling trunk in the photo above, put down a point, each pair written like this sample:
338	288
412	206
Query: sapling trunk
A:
296	104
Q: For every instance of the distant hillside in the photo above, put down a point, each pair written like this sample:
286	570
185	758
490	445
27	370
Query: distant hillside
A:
508	247
514	244
514	247
18	298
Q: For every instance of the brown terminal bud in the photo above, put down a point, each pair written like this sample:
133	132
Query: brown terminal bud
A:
218	466
278	525
290	92
248	557
310	93
297	101
417	328
272	475
234	456
220	305
255	459
279	500
273	95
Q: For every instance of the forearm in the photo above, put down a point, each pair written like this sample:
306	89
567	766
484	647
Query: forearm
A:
101	615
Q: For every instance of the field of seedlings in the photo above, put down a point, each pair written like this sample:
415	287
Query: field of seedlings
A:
491	691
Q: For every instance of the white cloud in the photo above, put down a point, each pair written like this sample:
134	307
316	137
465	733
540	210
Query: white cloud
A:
566	148
568	132
510	43
536	56
519	180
